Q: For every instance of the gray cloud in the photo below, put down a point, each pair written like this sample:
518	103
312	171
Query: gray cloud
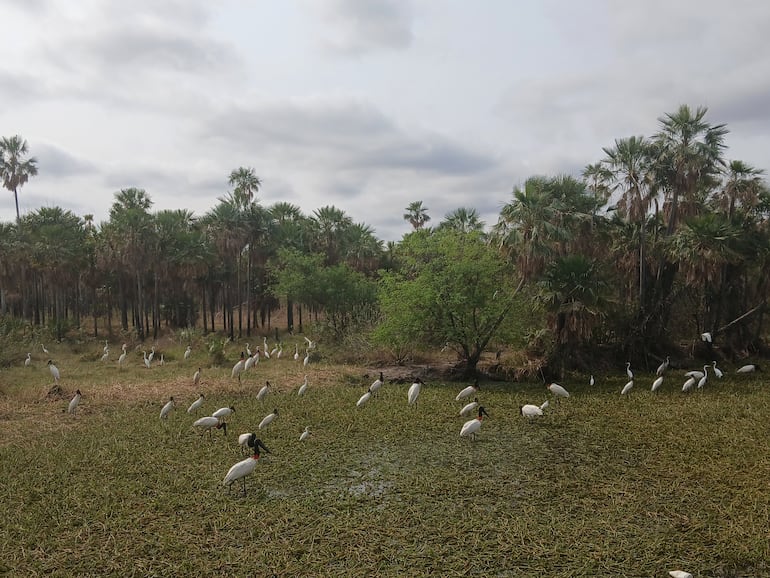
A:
357	27
55	162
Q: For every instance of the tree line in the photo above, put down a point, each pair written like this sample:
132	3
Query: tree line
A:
661	241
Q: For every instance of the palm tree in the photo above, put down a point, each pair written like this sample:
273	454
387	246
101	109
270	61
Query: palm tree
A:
743	187
245	183
689	157
416	214
15	169
463	220
330	226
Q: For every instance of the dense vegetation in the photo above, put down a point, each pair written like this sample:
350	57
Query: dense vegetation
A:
663	240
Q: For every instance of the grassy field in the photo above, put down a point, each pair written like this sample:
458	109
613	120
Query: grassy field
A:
602	485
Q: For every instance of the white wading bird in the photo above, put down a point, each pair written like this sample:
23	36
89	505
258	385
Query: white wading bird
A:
188	352
663	366
468	408
303	387
531	410
28	361
223	412
468	391
557	390
364	398
239	367
206	424
414	391
194	406
54	371
305	434
268	419
377	384
629	373
245	467
74	402
470	428
166	409
750	368
657	383
627	387
263	391
717	372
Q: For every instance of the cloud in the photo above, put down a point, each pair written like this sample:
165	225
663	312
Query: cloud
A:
356	28
56	163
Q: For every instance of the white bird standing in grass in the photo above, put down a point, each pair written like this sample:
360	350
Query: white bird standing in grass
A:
557	390
195	406
296	352
152	354
303	387
74	402
106	356
468	391
123	356
197	377
44	349
146	359
591	381
305	434
468	408
470	428
663	366
263	391
364	398
265	349
245	467
750	368
657	383
627	388
414	391
28	361
629	373
717	372
106	347
688	385
223	412
695	373
268	419
531	410
702	381
307	358
54	371
679	574
249	362
280	351
377	384
188	352
206	424
166	409
238	367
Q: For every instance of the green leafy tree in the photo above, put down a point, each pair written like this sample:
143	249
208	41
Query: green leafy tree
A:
417	215
15	166
450	287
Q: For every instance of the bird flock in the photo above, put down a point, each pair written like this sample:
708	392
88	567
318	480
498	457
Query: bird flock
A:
468	397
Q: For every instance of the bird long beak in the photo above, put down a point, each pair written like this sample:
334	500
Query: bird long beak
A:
258	444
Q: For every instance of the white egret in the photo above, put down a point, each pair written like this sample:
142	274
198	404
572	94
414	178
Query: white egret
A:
377	384
470	428
702	381
303	387
197	377
245	467
263	391
152	354
305	434
296	352
414	391
162	361
274	351
679	574
146	359
44	349
591	381
310	344
280	351
188	352
238	367
73	406
750	368
657	383
717	372
206	424
28	361
629	373
688	385
706	337
468	408
307	358
249	362
123	356
106	356
268	419
265	350
627	387
194	406
468	391
663	366
223	412
248	350
557	390
695	373
106	347
364	398
531	410
166	409
54	371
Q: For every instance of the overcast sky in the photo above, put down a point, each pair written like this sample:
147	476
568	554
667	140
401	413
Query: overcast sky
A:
366	105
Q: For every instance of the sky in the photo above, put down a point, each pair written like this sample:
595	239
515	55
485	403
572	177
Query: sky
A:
366	105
